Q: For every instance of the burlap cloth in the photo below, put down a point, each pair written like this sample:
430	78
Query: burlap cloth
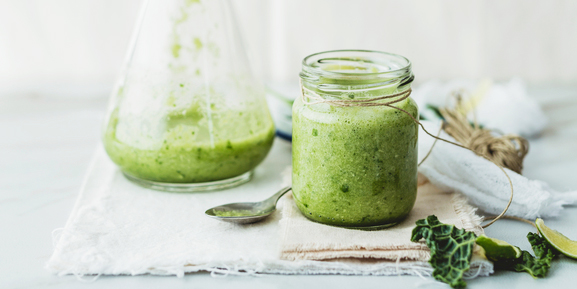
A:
302	239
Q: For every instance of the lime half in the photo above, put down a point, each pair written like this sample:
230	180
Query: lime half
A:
497	250
565	245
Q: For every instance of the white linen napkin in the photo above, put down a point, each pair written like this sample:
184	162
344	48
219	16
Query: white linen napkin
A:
456	169
118	228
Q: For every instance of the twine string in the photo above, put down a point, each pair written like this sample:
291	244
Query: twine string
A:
517	219
432	146
477	139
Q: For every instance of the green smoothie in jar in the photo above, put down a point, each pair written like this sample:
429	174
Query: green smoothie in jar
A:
355	166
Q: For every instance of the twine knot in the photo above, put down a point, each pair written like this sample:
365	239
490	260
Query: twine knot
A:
508	151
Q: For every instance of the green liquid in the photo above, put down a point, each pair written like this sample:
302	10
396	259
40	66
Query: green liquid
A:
186	157
237	213
355	166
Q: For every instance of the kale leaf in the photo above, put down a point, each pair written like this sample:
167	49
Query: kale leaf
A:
451	249
538	266
542	248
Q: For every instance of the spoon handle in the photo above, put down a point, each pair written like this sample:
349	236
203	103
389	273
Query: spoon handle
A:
274	198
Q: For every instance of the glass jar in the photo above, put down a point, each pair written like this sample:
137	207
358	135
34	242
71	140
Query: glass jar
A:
354	166
187	114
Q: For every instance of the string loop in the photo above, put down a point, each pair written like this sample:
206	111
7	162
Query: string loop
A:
475	136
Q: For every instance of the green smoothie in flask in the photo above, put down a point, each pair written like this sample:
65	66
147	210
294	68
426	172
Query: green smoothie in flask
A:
187	114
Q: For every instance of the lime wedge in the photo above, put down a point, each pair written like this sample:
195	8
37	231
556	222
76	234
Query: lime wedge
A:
565	245
496	250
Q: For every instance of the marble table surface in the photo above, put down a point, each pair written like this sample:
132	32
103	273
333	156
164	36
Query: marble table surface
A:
48	136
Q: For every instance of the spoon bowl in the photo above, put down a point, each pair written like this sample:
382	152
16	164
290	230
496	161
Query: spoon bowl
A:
246	213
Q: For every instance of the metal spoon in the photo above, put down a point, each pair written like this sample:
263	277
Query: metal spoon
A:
246	213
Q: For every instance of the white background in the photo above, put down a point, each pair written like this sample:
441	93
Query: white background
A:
83	42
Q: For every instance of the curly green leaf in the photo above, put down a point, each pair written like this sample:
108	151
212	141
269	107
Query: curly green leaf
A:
451	249
538	266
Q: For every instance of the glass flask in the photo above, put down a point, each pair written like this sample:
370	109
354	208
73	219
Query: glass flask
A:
355	166
187	113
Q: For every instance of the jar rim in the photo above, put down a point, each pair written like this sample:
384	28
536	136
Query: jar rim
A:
307	63
335	71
